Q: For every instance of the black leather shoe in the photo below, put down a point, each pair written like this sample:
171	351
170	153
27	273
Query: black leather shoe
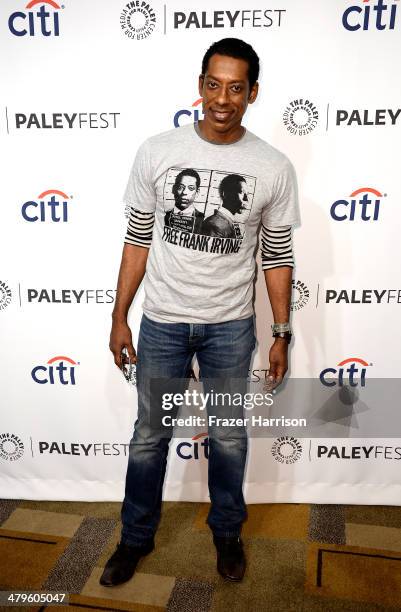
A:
122	564
230	558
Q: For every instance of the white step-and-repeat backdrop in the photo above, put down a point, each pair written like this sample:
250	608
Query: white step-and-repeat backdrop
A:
83	83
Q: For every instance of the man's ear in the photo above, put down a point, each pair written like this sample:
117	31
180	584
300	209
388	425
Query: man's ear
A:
253	93
200	84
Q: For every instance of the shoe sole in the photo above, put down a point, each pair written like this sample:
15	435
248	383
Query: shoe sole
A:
230	578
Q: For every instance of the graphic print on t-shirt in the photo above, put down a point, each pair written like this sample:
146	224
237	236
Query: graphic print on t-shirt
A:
206	210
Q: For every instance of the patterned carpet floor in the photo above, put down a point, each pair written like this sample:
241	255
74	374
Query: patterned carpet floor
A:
300	557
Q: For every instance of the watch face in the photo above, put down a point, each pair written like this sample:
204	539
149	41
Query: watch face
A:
287	335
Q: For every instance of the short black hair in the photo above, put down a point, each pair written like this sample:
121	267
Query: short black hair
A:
186	172
230	186
235	47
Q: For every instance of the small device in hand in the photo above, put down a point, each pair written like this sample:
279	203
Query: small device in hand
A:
128	369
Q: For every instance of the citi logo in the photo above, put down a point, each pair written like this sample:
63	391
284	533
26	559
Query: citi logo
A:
36	22
55	371
346	374
194	449
192	114
53	208
364	208
370	15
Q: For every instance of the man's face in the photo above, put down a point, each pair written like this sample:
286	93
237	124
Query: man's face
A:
242	199
225	92
185	192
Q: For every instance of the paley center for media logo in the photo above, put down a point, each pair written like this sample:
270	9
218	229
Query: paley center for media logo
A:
5	295
50	206
300	117
137	19
349	372
39	18
300	295
55	371
11	447
286	449
364	208
370	15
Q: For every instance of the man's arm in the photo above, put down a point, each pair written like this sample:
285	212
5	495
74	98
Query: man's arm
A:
132	271
278	284
277	264
138	239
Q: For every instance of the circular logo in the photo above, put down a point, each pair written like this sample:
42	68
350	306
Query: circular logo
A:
137	20
286	449
11	447
300	295
5	295
300	117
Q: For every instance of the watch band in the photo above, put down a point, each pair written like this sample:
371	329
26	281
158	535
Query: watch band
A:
281	327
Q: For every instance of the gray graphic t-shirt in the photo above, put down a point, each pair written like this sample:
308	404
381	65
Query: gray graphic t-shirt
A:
208	202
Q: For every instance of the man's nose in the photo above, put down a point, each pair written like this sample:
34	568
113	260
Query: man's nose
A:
222	96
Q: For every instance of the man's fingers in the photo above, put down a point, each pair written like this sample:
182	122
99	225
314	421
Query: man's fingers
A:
121	356
131	352
270	380
128	354
117	358
274	377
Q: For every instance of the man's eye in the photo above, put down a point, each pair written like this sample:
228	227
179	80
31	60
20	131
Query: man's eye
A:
212	84
237	88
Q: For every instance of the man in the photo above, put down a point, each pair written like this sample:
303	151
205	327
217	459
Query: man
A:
184	215
198	298
234	196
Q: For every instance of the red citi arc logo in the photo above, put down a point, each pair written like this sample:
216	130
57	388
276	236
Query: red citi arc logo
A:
55	371
189	113
346	374
53	208
365	208
40	22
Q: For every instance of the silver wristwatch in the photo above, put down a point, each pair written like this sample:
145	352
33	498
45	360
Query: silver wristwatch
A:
282	330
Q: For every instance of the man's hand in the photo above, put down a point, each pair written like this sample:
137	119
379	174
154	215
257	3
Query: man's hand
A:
278	363
132	270
121	337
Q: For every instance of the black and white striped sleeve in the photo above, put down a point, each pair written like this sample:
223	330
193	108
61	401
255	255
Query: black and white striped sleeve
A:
140	228
276	247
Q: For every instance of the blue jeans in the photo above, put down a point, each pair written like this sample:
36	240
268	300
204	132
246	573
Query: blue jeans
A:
165	350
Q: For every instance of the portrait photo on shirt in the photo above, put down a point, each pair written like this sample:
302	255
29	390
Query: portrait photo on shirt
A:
208	202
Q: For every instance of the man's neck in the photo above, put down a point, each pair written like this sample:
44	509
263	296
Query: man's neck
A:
212	135
184	211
